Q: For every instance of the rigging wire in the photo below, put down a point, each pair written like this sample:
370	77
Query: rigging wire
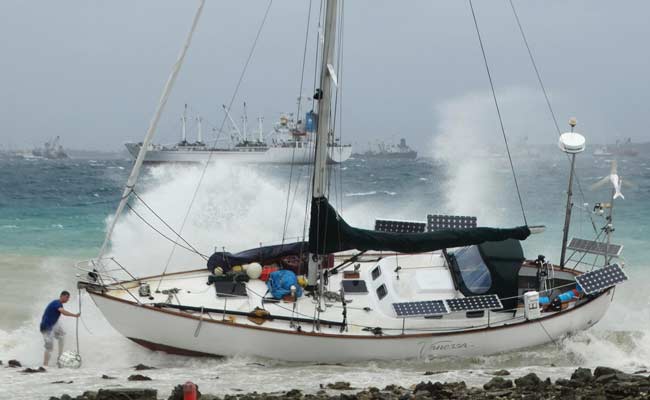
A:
548	101
205	167
193	249
298	115
496	104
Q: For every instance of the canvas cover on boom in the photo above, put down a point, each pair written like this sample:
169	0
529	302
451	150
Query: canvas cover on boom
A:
329	233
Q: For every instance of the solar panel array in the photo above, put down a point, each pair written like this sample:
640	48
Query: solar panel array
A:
437	222
420	308
603	278
384	225
475	303
593	247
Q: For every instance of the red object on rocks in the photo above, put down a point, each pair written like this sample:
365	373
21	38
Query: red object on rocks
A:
189	391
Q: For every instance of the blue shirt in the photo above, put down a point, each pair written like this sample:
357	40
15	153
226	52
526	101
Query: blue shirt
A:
51	315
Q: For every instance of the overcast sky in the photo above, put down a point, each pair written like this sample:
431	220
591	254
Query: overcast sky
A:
92	71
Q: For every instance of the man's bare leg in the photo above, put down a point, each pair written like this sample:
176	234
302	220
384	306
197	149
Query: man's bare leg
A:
60	347
46	358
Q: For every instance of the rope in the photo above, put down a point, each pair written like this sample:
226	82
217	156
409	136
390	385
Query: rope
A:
77	324
496	104
548	101
205	167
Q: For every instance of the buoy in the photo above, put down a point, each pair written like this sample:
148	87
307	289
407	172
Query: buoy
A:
189	391
254	270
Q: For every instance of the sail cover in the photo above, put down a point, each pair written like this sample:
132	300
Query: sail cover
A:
262	255
329	233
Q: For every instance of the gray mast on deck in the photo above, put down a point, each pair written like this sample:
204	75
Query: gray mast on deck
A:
323	131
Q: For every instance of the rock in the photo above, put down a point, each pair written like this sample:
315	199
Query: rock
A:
428	373
529	381
498	383
293	393
142	367
66	397
122	394
501	372
138	377
108	377
582	375
33	371
600	371
14	364
59	382
340	385
641	371
53	398
88	395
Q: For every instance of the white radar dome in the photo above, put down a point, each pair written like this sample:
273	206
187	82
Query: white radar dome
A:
254	270
572	142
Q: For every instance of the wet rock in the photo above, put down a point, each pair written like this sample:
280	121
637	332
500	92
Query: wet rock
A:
122	394
429	373
53	398
293	393
501	372
497	383
529	381
582	375
60	382
66	397
138	377
88	395
108	377
641	371
340	385
600	371
142	367
33	371
14	364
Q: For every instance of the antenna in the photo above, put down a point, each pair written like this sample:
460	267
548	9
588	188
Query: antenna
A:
183	123
571	143
200	128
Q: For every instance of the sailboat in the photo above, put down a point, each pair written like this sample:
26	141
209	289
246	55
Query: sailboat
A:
407	289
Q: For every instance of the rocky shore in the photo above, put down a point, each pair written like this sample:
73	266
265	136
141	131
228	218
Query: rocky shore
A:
603	383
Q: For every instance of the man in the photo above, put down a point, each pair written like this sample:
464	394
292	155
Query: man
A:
50	328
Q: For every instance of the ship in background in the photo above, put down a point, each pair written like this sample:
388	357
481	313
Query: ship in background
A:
290	142
621	148
389	151
52	150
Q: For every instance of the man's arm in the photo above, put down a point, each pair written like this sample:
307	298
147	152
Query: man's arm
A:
68	313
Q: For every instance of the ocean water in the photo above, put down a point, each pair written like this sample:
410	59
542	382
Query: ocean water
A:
54	213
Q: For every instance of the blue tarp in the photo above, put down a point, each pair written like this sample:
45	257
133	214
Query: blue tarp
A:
280	283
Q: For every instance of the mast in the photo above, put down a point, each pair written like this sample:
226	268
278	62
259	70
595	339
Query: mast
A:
232	121
199	120
135	172
327	78
245	124
260	128
183	125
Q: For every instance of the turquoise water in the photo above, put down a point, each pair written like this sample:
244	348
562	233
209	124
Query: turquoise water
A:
53	214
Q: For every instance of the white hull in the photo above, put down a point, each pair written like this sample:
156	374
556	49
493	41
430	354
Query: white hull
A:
263	155
177	332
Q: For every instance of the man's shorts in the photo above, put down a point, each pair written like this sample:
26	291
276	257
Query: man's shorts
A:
55	333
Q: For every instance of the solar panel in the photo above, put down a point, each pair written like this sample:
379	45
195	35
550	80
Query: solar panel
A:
603	278
437	222
593	247
475	303
384	225
420	308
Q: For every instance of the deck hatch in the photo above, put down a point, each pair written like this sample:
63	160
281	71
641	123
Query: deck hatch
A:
603	278
420	308
475	303
230	289
354	286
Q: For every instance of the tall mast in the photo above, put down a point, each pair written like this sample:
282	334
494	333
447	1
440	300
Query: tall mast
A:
325	102
260	128
199	120
327	78
183	125
135	172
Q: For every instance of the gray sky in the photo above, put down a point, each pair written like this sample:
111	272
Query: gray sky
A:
92	71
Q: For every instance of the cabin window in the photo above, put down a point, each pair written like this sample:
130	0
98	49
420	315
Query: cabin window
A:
382	291
473	270
376	272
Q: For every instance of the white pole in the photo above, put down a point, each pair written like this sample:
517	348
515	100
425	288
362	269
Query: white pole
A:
245	123
260	128
133	177
183	125
200	133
